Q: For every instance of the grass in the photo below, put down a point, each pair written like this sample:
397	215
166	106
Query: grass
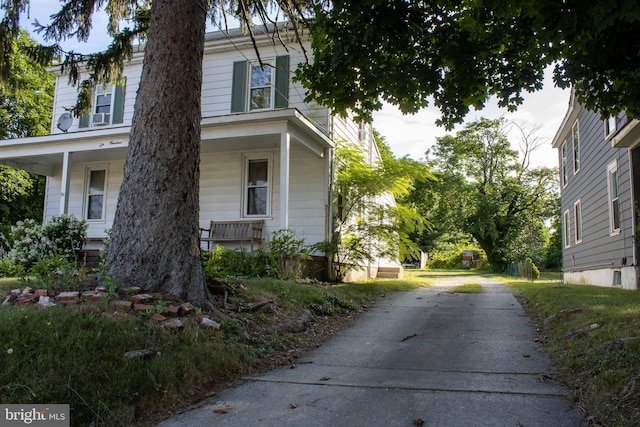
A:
75	354
593	336
467	288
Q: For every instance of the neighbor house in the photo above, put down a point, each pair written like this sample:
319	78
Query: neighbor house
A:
266	153
600	182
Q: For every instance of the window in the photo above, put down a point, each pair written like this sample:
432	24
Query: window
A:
577	214
564	172
96	191
566	228
261	80
575	137
260	86
257	200
614	198
610	126
108	107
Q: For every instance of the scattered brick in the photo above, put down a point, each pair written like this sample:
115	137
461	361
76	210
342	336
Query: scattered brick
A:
45	301
186	308
41	292
26	299
209	324
101	289
26	290
141	298
132	290
174	323
9	299
157	317
171	310
91	296
143	308
67	296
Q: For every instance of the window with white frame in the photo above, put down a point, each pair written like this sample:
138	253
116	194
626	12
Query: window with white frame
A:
575	137
256	86
257	197
566	224
577	214
564	170
96	194
261	83
613	181
102	105
610	126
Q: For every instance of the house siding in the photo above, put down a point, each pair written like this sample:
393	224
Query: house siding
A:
600	251
305	130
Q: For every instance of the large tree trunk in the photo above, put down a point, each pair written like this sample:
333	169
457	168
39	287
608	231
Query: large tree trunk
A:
154	241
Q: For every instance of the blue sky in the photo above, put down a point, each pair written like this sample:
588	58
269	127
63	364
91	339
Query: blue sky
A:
407	135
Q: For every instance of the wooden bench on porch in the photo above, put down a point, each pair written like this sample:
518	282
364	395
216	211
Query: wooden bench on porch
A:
232	231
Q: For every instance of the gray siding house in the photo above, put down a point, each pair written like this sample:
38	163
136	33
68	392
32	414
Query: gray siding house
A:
599	180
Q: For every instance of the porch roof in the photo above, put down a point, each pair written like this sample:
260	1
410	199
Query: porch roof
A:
219	133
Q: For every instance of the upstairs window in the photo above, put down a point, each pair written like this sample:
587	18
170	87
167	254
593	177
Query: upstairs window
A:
261	82
575	138
108	107
613	181
564	168
102	106
257	199
96	191
260	87
610	126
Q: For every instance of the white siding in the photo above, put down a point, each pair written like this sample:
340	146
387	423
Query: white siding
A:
216	87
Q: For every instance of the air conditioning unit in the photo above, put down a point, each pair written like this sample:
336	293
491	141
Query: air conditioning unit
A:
101	119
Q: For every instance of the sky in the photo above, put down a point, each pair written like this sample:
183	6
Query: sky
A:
409	135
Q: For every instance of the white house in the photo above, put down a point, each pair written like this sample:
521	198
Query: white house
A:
265	153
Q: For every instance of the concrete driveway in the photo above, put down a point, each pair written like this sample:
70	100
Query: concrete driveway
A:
427	357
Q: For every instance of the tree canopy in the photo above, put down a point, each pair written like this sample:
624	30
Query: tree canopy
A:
27	99
27	95
487	189
457	54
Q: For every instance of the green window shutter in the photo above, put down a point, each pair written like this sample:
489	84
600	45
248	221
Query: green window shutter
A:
282	82
83	121
239	87
118	102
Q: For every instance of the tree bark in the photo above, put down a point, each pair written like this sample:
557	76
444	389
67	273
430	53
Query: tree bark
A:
154	241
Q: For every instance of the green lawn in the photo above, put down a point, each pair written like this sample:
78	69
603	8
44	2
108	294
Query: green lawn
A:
75	354
592	334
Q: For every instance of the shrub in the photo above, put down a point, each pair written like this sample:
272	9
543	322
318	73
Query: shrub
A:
222	262
33	242
286	254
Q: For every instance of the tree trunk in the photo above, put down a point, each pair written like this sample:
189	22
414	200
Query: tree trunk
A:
154	241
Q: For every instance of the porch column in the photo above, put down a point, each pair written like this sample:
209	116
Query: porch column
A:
285	151
64	190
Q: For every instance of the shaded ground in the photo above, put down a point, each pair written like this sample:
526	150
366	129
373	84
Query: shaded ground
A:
427	357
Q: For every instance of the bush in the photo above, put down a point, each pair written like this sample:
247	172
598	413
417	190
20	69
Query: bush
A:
224	262
33	242
286	254
449	255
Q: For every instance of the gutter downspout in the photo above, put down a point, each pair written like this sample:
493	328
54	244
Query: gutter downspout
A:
331	223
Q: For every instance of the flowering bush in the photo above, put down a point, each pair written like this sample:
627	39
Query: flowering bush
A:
32	242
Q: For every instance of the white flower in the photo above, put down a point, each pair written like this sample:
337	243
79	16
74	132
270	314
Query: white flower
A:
10	351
